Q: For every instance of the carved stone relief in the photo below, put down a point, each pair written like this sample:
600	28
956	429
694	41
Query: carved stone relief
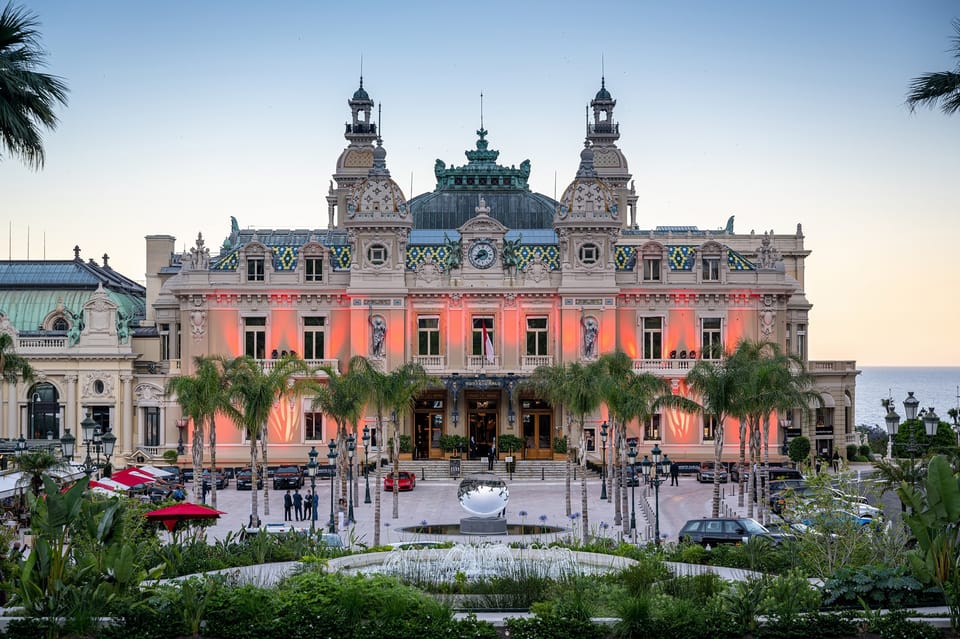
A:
97	385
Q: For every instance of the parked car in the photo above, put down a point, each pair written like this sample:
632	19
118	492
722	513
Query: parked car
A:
186	473
221	479
705	474
406	481
245	479
287	477
736	470
631	476
326	471
723	530
176	474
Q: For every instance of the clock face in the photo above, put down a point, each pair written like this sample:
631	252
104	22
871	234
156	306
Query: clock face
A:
482	254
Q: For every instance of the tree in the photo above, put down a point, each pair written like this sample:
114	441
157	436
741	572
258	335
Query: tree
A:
716	383
35	464
201	396
27	96
549	382
252	392
798	449
12	365
942	87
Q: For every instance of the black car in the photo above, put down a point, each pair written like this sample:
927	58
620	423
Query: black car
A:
176	474
706	473
186	473
631	476
723	530
287	477
222	480
244	479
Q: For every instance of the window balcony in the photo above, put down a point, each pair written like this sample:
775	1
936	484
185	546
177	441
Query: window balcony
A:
39	345
431	363
531	362
268	364
663	366
480	363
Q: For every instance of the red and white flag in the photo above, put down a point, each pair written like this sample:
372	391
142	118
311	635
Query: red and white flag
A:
487	345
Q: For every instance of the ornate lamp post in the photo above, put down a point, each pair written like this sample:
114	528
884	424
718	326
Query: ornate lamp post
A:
94	441
366	463
603	462
632	454
656	474
332	457
910	407
181	426
312	474
351	446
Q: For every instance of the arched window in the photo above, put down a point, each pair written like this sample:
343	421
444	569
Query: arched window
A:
60	324
43	412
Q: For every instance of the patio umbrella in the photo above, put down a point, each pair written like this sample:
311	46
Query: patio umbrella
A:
172	515
131	477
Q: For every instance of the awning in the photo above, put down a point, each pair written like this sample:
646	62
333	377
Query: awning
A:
156	472
130	477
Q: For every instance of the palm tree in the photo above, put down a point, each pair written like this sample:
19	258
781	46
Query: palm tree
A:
12	365
942	87
27	96
343	398
34	464
201	396
549	382
715	382
252	393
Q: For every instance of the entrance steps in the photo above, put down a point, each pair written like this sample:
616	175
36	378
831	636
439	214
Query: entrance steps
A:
524	469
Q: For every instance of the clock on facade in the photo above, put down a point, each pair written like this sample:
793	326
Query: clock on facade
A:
482	254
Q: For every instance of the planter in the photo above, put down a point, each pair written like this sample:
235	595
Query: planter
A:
559	456
405	456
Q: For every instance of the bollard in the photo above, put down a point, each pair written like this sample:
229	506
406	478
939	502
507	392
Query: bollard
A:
541	473
423	475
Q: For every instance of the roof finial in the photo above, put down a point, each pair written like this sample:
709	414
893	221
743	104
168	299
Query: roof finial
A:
481	109
361	70
379	123
603	73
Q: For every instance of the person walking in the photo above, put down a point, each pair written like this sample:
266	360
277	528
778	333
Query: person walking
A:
204	489
674	474
835	461
287	506
316	504
298	505
307	505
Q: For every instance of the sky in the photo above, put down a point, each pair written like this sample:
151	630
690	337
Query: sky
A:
182	114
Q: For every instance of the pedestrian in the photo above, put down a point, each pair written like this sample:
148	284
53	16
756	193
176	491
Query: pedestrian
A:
298	505
307	504
316	504
835	462
490	457
287	506
204	489
473	447
816	464
674	474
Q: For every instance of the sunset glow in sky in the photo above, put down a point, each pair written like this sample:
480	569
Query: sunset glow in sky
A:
182	114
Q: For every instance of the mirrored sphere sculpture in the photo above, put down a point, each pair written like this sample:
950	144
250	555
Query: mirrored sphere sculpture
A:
483	495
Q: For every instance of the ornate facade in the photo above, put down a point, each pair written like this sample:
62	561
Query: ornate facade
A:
481	281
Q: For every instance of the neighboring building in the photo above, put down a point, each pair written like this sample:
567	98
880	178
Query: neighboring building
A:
480	281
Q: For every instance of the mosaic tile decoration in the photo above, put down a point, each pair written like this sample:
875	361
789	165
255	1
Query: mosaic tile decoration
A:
737	262
417	255
625	257
341	257
228	262
549	254
285	257
681	258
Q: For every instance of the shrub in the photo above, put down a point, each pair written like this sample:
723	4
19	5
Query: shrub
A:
853	451
865	451
896	625
799	449
877	586
560	445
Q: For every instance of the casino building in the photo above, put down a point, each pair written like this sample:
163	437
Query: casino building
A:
480	281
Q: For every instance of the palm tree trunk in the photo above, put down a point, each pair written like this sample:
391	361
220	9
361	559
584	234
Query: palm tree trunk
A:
717	458
254	474
569	475
266	484
743	431
377	489
752	489
618	468
396	468
356	470
213	461
197	461
583	490
764	473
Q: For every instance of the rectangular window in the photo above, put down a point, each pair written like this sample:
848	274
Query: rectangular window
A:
711	345
313	427
709	428
151	426
802	341
711	269
479	347
255	269
428	336
536	336
651	269
165	342
652	338
313	269
787	342
652	428
313	333
255	337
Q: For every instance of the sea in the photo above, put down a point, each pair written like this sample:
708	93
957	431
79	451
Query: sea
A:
937	386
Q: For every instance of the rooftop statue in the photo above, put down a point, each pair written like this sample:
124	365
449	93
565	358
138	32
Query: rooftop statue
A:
453	253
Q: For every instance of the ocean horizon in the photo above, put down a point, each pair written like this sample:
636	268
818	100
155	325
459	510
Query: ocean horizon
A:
936	386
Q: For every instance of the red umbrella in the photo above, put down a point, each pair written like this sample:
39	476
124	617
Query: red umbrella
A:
132	477
171	515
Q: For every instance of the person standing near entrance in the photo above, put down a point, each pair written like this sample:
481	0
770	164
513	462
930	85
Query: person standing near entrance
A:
490	457
287	506
674	474
298	505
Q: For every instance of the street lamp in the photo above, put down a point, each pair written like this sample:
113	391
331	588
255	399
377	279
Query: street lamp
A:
910	407
366	463
95	443
634	480
656	474
312	474
603	462
351	446
181	425
332	457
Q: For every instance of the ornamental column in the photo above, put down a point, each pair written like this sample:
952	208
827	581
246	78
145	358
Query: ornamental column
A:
12	411
127	443
70	417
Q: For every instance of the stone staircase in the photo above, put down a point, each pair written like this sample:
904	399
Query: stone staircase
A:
525	469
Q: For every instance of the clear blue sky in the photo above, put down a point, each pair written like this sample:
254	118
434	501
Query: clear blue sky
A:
182	114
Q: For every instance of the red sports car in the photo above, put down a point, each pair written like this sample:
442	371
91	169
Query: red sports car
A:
406	482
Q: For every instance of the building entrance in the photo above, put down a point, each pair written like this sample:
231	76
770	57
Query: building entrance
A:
536	418
427	427
482	421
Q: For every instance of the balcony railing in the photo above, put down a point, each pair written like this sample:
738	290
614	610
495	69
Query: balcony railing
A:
33	345
431	362
836	366
531	362
480	362
663	365
268	364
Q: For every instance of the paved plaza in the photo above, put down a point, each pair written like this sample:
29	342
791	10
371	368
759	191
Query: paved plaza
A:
532	502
